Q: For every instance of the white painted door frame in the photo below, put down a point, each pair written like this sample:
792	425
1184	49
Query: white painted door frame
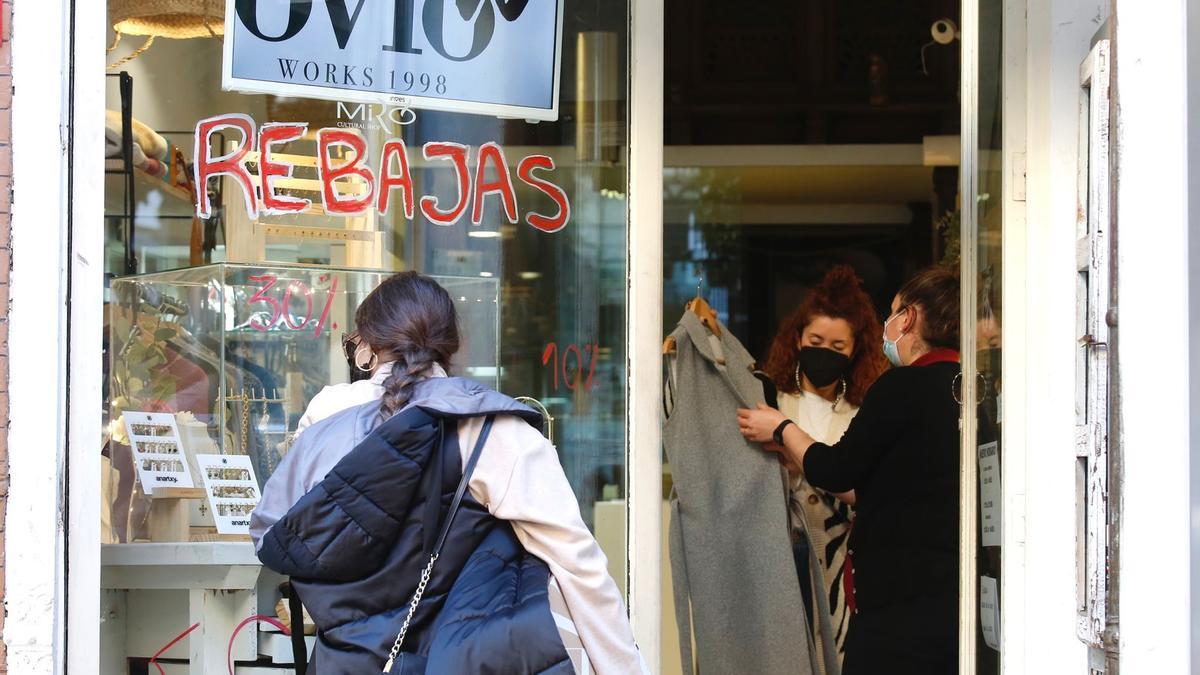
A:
1013	454
1156	343
1038	621
52	537
645	324
85	251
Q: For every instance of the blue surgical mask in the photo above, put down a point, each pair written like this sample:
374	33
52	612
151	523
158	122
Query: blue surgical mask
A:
891	348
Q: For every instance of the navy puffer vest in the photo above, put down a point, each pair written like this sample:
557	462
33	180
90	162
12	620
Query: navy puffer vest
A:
356	544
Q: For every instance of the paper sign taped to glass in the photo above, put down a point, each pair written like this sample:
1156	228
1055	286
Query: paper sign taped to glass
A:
989	611
989	494
490	57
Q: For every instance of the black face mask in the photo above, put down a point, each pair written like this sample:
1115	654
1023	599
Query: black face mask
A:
823	366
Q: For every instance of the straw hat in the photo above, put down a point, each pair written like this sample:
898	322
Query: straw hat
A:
168	18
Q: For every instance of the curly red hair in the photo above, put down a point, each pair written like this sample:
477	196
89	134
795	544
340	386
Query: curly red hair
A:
838	296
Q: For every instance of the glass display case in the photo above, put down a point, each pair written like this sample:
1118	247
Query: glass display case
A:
233	354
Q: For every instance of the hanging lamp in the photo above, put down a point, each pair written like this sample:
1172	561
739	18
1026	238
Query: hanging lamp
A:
178	19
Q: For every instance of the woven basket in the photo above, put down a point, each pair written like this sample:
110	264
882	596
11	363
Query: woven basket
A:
168	18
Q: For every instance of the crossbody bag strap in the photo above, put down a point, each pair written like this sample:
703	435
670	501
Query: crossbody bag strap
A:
468	469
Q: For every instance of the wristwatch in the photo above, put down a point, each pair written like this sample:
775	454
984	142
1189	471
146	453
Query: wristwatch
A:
778	435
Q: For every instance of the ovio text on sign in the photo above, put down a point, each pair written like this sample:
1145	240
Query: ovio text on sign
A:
491	57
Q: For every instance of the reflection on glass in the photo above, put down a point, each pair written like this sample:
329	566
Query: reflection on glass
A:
556	294
987	330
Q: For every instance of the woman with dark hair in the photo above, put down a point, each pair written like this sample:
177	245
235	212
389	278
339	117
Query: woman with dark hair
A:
900	456
822	362
353	513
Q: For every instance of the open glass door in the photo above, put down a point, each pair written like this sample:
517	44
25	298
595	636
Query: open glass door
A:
983	199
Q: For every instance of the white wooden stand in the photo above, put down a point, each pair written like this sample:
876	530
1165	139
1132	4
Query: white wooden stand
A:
153	592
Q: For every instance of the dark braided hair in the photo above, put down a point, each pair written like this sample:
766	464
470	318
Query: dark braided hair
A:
410	320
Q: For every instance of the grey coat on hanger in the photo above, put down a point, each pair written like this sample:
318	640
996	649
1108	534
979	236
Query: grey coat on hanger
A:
732	564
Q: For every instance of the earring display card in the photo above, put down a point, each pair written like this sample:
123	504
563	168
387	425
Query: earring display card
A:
232	490
157	451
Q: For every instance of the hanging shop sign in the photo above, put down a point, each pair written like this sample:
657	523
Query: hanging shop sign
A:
352	185
489	57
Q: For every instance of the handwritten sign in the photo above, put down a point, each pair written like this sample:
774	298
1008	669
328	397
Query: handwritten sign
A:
354	185
231	490
578	376
281	309
157	450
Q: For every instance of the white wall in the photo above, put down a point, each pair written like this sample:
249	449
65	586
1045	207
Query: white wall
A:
33	540
1154	361
1193	145
1039	625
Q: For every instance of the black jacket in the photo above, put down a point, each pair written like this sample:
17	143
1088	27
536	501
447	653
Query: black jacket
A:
901	457
355	546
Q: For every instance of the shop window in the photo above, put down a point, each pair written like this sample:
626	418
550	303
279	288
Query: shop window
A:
226	311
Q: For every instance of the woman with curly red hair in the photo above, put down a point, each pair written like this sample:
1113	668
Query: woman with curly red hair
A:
823	361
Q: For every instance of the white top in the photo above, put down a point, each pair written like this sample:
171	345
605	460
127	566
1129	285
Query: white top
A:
519	479
816	416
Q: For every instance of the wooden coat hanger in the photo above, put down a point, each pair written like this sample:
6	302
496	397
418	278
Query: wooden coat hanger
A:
700	307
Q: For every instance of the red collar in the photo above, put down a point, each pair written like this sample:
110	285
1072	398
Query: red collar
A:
940	355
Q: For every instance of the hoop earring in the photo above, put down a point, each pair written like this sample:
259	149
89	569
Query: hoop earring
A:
841	395
371	363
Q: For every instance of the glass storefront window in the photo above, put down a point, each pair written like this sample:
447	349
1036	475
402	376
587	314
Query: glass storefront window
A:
540	280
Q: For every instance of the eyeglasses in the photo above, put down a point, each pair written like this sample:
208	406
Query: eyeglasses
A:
350	344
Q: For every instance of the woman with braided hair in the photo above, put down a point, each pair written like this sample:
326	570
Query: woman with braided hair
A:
388	355
407	333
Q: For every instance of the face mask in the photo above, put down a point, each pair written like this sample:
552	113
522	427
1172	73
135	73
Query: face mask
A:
891	348
823	366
